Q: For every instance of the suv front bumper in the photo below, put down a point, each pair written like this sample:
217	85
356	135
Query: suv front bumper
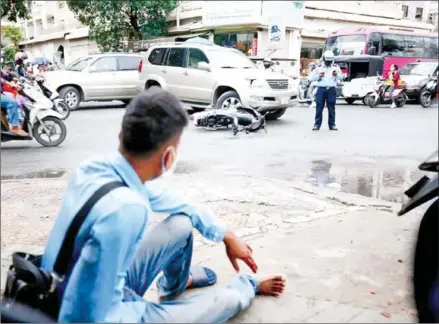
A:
265	100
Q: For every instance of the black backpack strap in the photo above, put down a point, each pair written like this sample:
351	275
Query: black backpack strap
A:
65	253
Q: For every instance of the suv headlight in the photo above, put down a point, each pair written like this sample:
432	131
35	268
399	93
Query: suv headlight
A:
257	83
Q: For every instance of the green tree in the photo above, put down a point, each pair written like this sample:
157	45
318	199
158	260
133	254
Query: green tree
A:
12	33
112	23
12	10
9	53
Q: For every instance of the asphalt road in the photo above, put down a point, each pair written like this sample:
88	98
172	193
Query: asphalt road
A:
373	149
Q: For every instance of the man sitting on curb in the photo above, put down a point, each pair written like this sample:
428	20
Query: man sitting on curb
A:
116	259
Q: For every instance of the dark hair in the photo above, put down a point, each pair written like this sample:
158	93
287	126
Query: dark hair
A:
396	66
151	118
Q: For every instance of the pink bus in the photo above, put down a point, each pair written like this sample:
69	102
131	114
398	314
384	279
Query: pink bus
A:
395	45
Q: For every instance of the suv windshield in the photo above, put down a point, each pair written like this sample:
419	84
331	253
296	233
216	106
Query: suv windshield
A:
230	60
418	69
79	64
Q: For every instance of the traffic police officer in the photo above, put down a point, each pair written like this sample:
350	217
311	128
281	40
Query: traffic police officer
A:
327	75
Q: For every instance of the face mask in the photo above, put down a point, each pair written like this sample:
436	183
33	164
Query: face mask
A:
267	65
328	63
166	172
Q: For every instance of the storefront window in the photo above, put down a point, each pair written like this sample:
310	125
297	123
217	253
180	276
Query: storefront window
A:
309	53
241	41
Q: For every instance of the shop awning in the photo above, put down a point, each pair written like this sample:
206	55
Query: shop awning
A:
182	38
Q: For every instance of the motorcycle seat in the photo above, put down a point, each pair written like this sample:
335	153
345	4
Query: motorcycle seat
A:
244	119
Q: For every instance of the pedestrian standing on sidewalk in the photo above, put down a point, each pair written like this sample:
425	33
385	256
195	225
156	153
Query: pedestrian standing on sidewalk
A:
327	75
116	257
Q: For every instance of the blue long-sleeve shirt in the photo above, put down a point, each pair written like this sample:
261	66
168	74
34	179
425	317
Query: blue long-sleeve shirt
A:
328	80
106	244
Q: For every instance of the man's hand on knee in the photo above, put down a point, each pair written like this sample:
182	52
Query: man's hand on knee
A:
237	249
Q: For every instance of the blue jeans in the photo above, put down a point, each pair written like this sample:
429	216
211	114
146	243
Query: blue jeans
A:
11	107
168	247
328	96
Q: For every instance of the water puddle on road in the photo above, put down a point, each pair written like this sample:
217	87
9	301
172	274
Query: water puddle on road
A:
43	174
377	182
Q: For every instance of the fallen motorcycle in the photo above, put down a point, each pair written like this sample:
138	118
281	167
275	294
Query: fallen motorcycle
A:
41	122
429	93
425	262
239	119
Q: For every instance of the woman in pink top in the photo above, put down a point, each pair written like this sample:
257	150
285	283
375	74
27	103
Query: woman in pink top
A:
392	82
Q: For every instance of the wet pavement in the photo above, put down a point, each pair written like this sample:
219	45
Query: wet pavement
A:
375	153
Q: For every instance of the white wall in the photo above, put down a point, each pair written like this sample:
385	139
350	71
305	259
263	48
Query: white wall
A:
412	5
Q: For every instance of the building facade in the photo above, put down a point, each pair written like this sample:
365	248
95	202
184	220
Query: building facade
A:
54	33
245	25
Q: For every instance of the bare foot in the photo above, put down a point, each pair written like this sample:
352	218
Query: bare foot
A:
189	282
272	285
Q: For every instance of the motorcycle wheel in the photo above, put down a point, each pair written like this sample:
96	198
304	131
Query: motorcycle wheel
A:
425	99
63	109
371	101
425	265
38	131
400	102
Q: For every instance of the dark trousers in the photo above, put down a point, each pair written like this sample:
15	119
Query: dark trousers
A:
328	96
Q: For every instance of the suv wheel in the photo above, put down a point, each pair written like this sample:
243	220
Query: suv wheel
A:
228	100
71	96
276	114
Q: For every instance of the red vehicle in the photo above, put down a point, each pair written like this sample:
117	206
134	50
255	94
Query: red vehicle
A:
396	45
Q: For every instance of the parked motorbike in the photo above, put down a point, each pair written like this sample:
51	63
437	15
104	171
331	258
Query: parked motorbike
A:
304	87
59	105
40	120
425	263
239	119
429	93
382	96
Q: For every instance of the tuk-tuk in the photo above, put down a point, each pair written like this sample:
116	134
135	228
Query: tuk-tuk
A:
360	66
361	72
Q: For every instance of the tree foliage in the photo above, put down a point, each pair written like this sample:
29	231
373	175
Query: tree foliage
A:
9	53
112	23
12	33
12	10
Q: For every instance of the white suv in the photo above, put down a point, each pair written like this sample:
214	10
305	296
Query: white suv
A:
206	76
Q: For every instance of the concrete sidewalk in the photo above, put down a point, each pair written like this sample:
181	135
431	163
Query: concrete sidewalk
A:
346	257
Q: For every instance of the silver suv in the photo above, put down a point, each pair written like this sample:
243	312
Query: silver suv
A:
98	77
207	76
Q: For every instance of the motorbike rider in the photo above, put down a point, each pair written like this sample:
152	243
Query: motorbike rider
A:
392	78
20	68
267	62
311	67
327	75
10	105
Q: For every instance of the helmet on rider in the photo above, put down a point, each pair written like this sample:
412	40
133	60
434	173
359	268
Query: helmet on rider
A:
267	62
328	57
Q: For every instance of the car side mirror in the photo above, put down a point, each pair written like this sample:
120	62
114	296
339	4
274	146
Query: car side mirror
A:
203	66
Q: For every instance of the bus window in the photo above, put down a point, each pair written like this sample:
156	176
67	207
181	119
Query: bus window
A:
374	44
431	47
393	45
346	44
414	46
